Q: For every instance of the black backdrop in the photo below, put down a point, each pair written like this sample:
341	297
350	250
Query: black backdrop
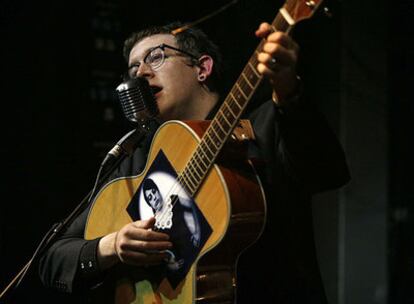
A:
60	62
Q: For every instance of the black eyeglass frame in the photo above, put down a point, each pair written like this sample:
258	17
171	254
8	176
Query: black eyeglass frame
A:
162	46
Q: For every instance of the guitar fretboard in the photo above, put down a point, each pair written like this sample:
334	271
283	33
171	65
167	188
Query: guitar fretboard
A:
232	108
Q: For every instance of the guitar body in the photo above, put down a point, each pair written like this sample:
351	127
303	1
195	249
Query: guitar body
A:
230	200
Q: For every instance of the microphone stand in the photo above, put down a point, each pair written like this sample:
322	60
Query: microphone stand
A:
125	147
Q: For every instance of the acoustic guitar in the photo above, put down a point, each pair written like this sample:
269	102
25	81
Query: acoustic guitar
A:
203	192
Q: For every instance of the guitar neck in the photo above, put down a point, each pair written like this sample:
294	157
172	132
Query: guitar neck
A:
235	103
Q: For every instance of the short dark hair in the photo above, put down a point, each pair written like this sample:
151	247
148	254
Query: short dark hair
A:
192	40
148	185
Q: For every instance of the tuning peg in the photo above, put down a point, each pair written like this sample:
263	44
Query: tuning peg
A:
311	4
327	12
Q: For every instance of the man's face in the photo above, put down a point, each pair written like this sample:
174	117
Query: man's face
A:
175	82
153	198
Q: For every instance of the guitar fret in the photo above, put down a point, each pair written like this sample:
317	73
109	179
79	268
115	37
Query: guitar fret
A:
195	172
254	59
220	115
230	110
253	76
209	157
218	130
188	189
234	108
187	184
217	137
190	177
228	114
245	87
220	126
210	145
181	181
247	81
240	90
253	68
235	100
192	184
200	171
209	136
201	156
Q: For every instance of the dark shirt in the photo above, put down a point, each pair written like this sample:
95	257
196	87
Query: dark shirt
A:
302	157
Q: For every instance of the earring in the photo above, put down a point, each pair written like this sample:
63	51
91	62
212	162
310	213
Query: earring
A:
202	77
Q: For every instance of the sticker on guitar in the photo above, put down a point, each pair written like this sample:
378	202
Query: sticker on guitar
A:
163	196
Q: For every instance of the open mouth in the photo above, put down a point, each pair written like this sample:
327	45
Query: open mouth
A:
155	90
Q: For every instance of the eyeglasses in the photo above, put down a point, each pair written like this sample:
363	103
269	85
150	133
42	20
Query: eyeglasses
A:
155	58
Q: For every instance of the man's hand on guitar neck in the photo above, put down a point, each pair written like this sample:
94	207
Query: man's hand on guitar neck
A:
135	244
277	62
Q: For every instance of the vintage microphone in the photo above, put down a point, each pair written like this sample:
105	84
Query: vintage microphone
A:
137	99
139	106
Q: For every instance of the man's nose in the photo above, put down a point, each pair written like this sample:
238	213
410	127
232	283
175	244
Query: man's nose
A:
144	70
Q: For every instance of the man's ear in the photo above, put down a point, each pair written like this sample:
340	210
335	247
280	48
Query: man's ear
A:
205	67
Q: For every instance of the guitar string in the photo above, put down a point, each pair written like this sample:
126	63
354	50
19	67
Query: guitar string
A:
182	180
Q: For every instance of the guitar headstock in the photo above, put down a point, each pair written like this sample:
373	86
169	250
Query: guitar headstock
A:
301	9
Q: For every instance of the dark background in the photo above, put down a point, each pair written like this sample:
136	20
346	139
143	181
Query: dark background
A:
61	61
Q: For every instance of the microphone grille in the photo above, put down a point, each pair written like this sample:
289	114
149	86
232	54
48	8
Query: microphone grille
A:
137	99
